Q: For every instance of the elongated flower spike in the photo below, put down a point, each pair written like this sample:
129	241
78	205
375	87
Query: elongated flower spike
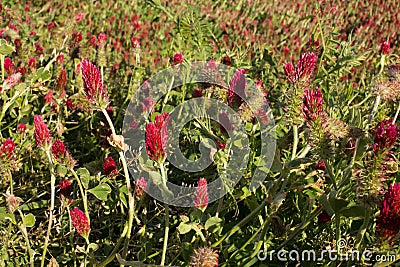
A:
80	222
42	133
201	198
157	137
93	85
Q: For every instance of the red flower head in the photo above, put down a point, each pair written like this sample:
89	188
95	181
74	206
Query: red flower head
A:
312	104
197	93
61	154
157	137
9	66
66	191
32	63
62	80
385	136
140	186
7	148
93	85
42	133
385	47
236	88
201	198
80	222
304	69
177	58
388	222
21	127
324	217
48	98
110	167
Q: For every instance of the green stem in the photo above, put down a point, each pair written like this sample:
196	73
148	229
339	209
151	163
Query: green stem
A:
397	114
84	196
374	109
131	199
71	239
241	223
295	141
115	250
363	228
337	222
11	182
52	200
22	228
165	243
2	57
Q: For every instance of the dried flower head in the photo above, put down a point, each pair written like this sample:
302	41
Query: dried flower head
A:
201	197
204	257
12	203
80	222
157	137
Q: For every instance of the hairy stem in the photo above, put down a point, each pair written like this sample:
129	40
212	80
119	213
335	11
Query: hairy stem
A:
52	200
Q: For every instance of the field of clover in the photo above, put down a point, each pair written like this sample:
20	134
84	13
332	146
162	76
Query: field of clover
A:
328	78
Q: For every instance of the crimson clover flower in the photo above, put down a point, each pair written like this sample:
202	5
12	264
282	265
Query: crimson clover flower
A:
80	222
61	154
385	136
110	167
303	70
140	186
93	85
201	197
42	133
157	137
236	88
312	104
388	222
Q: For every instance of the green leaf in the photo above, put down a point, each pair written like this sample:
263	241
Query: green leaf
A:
356	212
42	75
101	191
84	175
5	48
29	220
184	228
4	215
214	224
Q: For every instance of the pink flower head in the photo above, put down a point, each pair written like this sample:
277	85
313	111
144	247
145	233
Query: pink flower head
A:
388	222
78	17
80	222
102	39
9	66
110	167
201	198
225	123
177	58
385	136
140	186
312	104
305	67
93	84
7	148
385	47
42	133
11	81
236	88
66	190
157	137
